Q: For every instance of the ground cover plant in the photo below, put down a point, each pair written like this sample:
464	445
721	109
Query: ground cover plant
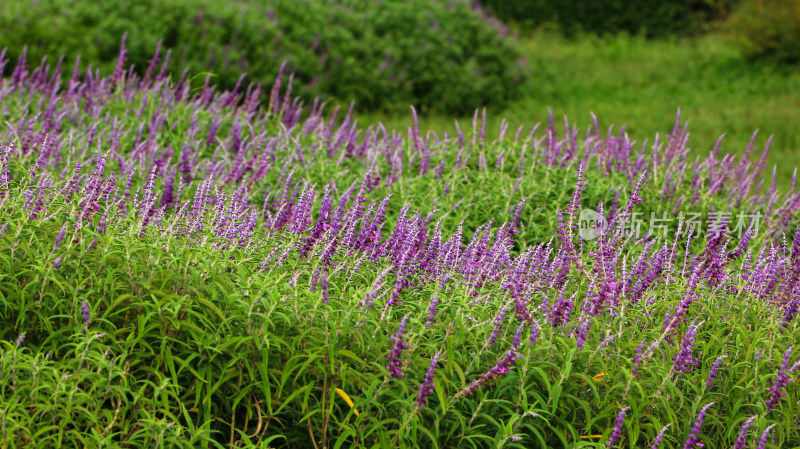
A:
187	267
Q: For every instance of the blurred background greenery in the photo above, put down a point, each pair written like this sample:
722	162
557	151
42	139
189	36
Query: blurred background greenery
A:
730	65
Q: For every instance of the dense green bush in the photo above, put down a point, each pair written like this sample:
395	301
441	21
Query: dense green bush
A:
261	302
768	28
439	55
654	19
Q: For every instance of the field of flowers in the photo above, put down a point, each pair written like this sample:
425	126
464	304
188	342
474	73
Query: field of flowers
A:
187	267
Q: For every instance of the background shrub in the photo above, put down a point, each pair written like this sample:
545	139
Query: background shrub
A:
438	55
654	19
768	28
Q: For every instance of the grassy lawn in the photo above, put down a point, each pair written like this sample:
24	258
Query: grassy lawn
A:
641	84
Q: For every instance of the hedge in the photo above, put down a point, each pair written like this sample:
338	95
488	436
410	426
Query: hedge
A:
436	54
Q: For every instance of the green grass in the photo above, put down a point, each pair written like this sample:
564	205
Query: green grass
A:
639	83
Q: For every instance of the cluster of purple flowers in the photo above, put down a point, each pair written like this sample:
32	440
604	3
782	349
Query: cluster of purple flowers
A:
426	388
87	317
502	366
659	437
776	390
617	432
712	373
253	192
394	362
684	359
741	440
694	434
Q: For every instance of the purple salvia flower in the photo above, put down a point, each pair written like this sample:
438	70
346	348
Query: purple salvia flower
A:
561	312
120	67
694	434
789	312
741	442
41	160
632	201
517	336
151	68
762	442
617	433
57	262
689	296
59	237
426	388
432	309
637	359
513	227
503	366
394	364
86	316
657	440
323	284
3	229
5	172
498	327
582	332
534	333
575	203
684	360
20	339
781	380
712	373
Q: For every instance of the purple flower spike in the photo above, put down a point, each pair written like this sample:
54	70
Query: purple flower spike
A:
426	388
684	358
741	442
781	380
657	440
394	363
502	367
86	316
498	327
534	334
712	374
59	238
617	433
20	339
694	434
637	359
762	442
432	309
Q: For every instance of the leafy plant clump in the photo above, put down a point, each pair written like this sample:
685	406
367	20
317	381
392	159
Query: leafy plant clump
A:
183	267
439	55
652	19
768	29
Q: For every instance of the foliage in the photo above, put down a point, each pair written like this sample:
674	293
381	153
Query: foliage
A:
181	267
654	19
768	29
437	54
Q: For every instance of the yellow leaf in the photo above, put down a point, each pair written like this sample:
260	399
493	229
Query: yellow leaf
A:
346	398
